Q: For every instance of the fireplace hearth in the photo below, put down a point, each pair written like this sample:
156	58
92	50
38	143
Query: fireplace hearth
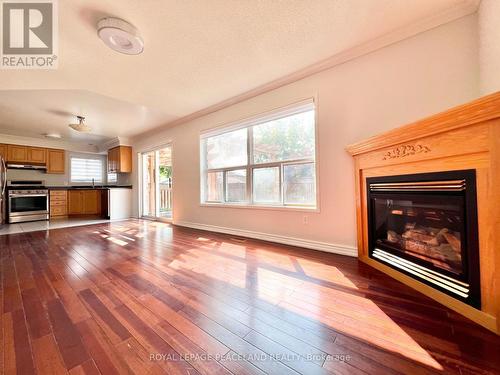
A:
425	225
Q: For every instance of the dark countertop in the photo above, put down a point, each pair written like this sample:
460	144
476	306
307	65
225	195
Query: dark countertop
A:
89	187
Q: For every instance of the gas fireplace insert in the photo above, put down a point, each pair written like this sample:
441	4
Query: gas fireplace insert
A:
425	225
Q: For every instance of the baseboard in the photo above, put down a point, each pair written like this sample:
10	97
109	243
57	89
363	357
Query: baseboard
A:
299	242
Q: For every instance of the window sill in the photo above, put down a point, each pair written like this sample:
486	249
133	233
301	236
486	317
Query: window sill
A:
263	207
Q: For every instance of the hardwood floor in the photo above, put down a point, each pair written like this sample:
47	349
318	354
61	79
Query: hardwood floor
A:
144	297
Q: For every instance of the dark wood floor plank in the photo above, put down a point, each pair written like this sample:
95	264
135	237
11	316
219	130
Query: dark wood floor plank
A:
67	337
9	350
209	344
36	314
147	336
48	360
259	358
101	349
104	315
22	345
196	356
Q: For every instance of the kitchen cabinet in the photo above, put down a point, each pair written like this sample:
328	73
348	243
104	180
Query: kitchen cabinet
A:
91	202
120	159
56	161
37	155
17	153
75	202
84	202
58	203
53	159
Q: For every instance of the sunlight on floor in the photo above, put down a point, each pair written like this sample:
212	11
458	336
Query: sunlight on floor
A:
289	287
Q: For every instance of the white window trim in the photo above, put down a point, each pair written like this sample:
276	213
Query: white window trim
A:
295	108
88	156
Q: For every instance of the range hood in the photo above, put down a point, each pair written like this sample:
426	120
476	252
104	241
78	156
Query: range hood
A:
38	167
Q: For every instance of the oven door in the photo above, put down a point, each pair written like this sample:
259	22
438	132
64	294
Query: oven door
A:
28	204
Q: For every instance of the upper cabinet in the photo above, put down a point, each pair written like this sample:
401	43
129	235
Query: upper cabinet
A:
37	155
56	161
26	154
17	153
120	159
53	159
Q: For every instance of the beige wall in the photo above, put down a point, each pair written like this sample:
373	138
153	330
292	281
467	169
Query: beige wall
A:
489	46
387	88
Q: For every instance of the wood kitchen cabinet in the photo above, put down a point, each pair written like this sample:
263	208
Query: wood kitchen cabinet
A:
91	202
58	203
53	159
37	155
17	153
120	159
84	202
56	161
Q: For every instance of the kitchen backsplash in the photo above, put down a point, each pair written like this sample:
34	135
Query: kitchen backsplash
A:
55	179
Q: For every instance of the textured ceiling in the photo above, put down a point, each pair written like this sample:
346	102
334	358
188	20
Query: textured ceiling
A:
197	53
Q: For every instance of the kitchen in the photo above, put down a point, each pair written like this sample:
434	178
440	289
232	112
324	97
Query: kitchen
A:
45	187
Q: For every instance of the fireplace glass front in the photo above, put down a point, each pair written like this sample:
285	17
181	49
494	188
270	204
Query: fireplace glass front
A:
425	225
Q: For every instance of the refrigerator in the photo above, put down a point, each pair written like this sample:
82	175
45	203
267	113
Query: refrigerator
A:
3	196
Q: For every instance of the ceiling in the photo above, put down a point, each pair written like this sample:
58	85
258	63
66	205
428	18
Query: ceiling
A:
197	54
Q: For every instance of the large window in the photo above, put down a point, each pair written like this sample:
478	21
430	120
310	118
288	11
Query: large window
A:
86	170
265	161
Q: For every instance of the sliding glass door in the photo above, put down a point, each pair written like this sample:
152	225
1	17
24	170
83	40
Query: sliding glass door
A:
157	184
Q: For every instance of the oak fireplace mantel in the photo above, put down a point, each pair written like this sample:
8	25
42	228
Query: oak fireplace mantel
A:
465	138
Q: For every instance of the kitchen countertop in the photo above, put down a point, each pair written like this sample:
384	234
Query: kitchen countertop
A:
90	187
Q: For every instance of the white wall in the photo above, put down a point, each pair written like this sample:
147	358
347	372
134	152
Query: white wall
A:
489	46
387	88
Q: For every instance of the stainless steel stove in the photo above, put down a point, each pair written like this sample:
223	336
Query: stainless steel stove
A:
27	201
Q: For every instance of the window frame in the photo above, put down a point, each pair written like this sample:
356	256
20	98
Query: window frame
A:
103	176
250	166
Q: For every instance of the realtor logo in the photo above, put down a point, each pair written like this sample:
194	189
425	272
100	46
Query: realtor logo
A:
29	39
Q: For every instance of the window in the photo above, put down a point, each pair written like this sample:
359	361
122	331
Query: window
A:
265	161
86	170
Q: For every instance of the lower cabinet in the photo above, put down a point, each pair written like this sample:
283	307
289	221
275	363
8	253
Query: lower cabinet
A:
84	202
58	203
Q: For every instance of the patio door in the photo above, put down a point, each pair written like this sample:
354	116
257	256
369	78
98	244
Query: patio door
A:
157	184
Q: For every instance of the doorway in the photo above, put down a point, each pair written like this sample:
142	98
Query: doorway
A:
157	184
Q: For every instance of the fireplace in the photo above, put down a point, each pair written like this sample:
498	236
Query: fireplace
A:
425	225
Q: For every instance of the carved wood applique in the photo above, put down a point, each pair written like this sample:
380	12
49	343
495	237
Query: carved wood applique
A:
406	150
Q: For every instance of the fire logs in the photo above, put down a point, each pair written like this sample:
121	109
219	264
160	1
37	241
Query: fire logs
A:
439	246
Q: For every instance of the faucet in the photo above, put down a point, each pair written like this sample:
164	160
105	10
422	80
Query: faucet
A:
93	183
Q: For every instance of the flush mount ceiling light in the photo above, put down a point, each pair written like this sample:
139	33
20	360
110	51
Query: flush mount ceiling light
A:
81	126
53	135
120	36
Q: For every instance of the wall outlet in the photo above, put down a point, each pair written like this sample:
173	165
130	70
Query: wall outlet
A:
305	220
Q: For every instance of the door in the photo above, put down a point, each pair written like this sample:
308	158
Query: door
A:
91	202
55	161
75	204
37	155
149	184
157	184
17	153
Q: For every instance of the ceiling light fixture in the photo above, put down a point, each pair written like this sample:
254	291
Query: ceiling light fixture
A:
81	126
53	135
120	36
